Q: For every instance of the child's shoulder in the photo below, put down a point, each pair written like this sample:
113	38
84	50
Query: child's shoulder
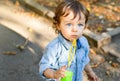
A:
84	41
53	43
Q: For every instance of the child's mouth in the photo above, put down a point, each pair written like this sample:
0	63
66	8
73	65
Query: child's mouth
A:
74	36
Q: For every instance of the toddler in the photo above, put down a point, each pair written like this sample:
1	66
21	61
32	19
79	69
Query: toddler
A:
69	22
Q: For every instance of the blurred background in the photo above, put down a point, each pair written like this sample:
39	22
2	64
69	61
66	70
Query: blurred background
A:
26	28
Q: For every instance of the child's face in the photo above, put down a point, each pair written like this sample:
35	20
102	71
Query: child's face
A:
70	27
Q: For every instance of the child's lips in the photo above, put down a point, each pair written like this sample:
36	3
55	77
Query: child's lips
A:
74	36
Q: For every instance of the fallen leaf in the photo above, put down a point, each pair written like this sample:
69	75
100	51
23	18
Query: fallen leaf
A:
108	73
95	65
115	65
92	51
9	53
110	62
22	46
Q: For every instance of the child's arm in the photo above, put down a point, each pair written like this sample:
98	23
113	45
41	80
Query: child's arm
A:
91	75
50	73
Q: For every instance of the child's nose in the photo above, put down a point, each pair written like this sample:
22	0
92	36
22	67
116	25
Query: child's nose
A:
74	29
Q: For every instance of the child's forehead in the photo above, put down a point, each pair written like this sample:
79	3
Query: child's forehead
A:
70	14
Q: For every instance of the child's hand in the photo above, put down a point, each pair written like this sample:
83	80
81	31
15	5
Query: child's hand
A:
92	76
60	72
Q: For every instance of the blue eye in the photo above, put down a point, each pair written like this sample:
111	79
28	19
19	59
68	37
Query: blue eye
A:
80	25
69	24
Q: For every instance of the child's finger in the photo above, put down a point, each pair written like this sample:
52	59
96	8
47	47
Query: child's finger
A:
63	67
95	78
62	70
62	74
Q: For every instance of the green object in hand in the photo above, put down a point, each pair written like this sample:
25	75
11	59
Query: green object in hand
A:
68	77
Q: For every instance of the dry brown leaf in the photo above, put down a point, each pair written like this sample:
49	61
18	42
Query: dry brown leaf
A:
9	53
22	46
115	65
92	51
95	65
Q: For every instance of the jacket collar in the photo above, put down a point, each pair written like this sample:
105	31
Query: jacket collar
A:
67	43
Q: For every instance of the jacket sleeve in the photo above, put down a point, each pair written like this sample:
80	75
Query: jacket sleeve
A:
86	47
47	60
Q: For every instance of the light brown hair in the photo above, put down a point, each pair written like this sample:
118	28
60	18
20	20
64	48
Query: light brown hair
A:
73	5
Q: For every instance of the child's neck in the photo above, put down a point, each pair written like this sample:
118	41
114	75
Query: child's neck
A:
65	38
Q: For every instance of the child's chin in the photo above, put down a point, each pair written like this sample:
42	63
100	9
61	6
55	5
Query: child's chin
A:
74	38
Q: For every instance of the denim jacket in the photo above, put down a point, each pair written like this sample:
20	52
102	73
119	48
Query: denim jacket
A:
56	55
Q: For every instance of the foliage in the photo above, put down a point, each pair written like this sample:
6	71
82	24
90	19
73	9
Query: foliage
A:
103	13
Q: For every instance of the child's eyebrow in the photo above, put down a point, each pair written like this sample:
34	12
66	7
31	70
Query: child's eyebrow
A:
67	21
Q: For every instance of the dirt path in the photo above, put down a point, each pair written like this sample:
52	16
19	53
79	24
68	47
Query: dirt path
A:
15	27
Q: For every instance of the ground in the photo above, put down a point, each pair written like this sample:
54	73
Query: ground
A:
22	65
